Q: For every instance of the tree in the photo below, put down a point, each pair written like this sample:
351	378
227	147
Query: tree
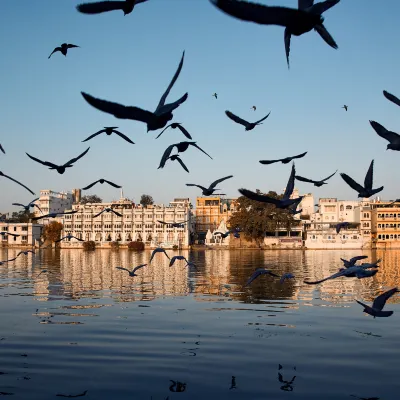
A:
255	219
146	200
91	198
52	231
22	216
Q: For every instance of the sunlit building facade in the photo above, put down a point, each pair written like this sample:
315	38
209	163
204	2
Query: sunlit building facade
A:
28	234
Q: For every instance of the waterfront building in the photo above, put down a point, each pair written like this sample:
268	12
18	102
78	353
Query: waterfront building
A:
28	234
306	205
385	224
54	202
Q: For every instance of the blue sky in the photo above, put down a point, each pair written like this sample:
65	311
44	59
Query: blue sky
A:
132	59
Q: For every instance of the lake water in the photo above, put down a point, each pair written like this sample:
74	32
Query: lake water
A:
85	326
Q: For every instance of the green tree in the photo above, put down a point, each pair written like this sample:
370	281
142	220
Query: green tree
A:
255	219
92	198
146	200
52	231
22	216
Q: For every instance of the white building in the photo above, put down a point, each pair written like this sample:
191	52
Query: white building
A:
136	224
332	210
28	234
306	205
53	202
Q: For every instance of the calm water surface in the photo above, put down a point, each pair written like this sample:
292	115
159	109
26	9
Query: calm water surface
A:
85	326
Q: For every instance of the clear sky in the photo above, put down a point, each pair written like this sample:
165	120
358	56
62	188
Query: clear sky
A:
132	59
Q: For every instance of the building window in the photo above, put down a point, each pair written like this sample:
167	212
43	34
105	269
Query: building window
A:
349	207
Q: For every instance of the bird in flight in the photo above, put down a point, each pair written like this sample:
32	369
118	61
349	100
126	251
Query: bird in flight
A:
174	224
28	206
391	97
211	189
101	181
248	125
59	168
352	261
109	130
222	235
175	125
215	95
308	16
345	107
14	180
107	210
379	303
158	250
254	108
99	7
175	258
63	49
341	225
176	157
1	148
367	190
181	147
69	237
288	276
258	272
283	160
54	215
132	273
316	183
285	202
154	120
392	137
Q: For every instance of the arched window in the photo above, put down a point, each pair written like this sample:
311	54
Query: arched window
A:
349	207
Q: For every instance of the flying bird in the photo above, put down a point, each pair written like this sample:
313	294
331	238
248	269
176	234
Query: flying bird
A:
316	183
28	206
59	168
154	120
295	21
14	180
25	252
175	125
158	250
341	225
254	108
258	272
391	97
215	95
1	148
126	6
248	125
181	147
109	130
211	189
288	275
367	190
69	237
285	202
176	157
283	160
352	261
174	224
379	303
108	209
175	258
392	137
132	273
222	235
63	49
345	107
101	181
54	215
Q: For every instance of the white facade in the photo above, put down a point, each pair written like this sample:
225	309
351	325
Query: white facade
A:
332	210
217	240
136	224
28	234
52	202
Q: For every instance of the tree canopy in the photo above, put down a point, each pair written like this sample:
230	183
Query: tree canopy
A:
255	219
146	200
91	198
21	216
52	231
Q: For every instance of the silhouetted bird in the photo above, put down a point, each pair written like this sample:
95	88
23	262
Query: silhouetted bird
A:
345	107
367	190
158	250
248	125
28	206
176	157
25	252
126	6
254	108
316	183
222	235
63	49
285	202
69	237
5	233
1	148
258	272
215	95
392	137
174	224
181	147
211	189
154	120
101	181
297	22
175	125
341	225
14	180
132	273
175	258
109	130
59	168
391	97
54	215
283	160
379	303
352	261
107	210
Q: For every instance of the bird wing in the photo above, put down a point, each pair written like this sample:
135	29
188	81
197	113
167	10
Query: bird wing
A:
320	8
171	106
18	204
101	212
323	32
123	269
123	136
258	197
182	164
47	163
100	7
391	97
290	184
162	222
199	186
302	179
73	160
330	176
369	177
31	203
118	110
299	155
163	130
66	213
380	301
337	275
113	184
269	161
91	185
262	119
215	183
56	49
235	118
59	240
1	148
383	132
353	260
174	78
138	267
198	147
71	46
184	131
94	134
258	13
166	155
287	37
172	261
352	183
302	4
14	180
80	240
116	213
